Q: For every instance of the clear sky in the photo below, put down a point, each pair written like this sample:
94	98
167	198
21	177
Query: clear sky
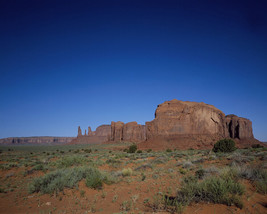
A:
69	63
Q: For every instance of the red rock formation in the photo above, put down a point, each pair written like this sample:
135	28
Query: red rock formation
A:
116	131
103	131
133	132
100	135
79	131
89	131
178	122
238	127
178	117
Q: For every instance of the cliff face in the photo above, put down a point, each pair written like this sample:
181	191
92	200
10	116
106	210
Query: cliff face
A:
238	127
127	132
35	140
177	117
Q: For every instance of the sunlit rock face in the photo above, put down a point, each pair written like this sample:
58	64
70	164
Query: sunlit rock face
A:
178	117
127	132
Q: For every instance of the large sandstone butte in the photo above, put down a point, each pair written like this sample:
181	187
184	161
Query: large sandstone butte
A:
181	124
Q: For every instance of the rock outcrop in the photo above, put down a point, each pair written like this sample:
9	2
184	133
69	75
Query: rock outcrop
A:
101	134
238	127
79	131
131	131
178	117
177	121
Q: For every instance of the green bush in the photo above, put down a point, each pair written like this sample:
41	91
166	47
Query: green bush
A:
127	172
88	150
139	151
68	161
200	173
214	189
168	150
132	148
94	180
256	146
219	190
57	180
224	145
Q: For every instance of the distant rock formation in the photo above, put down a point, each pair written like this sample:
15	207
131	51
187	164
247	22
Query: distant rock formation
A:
101	134
36	140
175	119
127	132
79	131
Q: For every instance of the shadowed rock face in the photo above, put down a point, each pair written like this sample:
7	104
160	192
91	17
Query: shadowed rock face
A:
238	127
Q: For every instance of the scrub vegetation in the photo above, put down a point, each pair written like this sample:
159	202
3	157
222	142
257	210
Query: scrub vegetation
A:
115	178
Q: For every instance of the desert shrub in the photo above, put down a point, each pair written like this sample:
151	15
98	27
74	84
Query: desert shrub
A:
7	166
224	145
143	167
261	186
256	146
95	180
160	160
149	150
132	148
57	180
68	161
38	167
139	151
88	150
182	171
187	164
213	189
257	175
168	150
127	172
200	173
211	170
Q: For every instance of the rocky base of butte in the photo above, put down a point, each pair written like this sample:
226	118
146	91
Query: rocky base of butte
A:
177	124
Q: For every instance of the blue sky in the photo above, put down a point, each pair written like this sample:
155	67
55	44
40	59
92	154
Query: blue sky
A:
70	63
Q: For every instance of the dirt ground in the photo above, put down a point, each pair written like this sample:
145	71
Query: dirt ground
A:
153	174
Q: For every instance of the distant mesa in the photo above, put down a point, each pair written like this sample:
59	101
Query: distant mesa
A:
178	124
36	140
